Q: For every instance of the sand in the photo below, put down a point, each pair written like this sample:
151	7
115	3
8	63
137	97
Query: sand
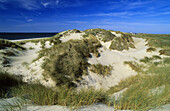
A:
33	71
116	59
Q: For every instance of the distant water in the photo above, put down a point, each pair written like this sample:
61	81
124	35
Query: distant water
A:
15	36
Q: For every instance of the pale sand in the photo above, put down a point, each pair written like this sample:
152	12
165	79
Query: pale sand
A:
116	60
72	36
117	35
28	39
33	72
108	57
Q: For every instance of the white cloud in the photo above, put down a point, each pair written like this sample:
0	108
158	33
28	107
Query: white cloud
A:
45	4
57	2
78	22
119	14
29	20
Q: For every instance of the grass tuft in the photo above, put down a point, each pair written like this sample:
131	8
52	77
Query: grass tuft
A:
150	49
101	69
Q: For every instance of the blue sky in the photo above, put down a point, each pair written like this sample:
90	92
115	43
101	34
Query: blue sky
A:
145	16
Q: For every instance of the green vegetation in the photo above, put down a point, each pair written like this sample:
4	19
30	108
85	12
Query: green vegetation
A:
165	52
9	53
55	40
122	43
150	59
144	92
6	43
150	49
31	48
161	67
7	81
101	69
67	33
139	95
158	41
66	62
25	63
41	95
102	34
134	66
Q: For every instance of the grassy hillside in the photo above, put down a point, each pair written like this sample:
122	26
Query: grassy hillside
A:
150	88
158	41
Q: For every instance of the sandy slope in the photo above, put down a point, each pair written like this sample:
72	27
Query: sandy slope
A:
33	71
116	60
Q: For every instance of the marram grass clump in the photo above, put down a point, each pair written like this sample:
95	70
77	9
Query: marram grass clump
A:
40	95
150	49
101	69
6	43
67	62
122	43
103	35
8	81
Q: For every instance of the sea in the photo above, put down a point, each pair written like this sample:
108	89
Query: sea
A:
16	36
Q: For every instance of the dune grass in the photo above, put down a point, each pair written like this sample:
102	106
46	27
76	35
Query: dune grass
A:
122	43
101	69
102	34
140	96
53	40
143	92
6	43
150	49
7	81
150	59
41	95
157	41
147	90
134	66
67	62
